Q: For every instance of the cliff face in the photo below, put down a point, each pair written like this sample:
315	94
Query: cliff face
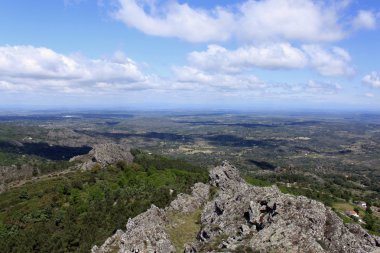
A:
237	217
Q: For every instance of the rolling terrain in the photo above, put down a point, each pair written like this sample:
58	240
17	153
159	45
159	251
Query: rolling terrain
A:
332	158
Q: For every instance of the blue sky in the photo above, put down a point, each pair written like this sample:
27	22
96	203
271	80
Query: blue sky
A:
190	54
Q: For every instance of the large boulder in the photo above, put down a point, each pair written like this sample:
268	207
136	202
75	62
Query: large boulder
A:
103	155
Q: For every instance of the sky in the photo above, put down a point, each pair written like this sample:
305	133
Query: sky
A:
156	54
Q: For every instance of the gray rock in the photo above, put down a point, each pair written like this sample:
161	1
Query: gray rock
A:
190	249
110	244
240	217
144	233
103	155
226	177
245	230
279	222
189	203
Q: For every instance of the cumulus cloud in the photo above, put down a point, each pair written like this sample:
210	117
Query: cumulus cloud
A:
197	79
303	20
321	87
372	80
252	20
364	20
176	20
332	62
38	70
28	67
327	62
273	56
190	78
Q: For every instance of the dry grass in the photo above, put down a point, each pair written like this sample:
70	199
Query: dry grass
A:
342	206
183	228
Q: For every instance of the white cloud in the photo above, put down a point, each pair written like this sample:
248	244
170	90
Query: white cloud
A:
193	78
372	80
43	69
178	20
321	87
196	80
302	20
332	62
189	74
327	62
273	56
364	20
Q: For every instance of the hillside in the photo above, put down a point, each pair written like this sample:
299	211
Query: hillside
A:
70	212
228	215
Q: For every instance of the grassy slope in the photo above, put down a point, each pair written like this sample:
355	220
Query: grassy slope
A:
183	228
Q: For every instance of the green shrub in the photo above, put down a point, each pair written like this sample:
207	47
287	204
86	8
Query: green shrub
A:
73	212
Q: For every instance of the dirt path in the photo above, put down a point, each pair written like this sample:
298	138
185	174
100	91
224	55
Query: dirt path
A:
19	183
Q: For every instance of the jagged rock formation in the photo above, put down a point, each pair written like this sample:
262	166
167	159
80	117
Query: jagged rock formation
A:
243	218
104	154
186	203
146	232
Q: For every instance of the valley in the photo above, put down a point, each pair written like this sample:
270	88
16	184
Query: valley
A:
327	157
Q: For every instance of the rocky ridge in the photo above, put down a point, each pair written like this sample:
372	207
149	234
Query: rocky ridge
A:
103	155
237	217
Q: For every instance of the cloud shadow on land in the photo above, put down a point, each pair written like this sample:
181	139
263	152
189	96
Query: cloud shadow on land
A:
44	150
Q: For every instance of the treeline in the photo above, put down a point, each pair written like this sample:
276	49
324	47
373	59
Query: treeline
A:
73	212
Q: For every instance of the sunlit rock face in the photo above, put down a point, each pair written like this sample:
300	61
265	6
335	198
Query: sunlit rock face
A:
239	217
103	155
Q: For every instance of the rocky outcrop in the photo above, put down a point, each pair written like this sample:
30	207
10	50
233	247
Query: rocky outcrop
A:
14	173
265	219
244	218
186	203
145	233
103	155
